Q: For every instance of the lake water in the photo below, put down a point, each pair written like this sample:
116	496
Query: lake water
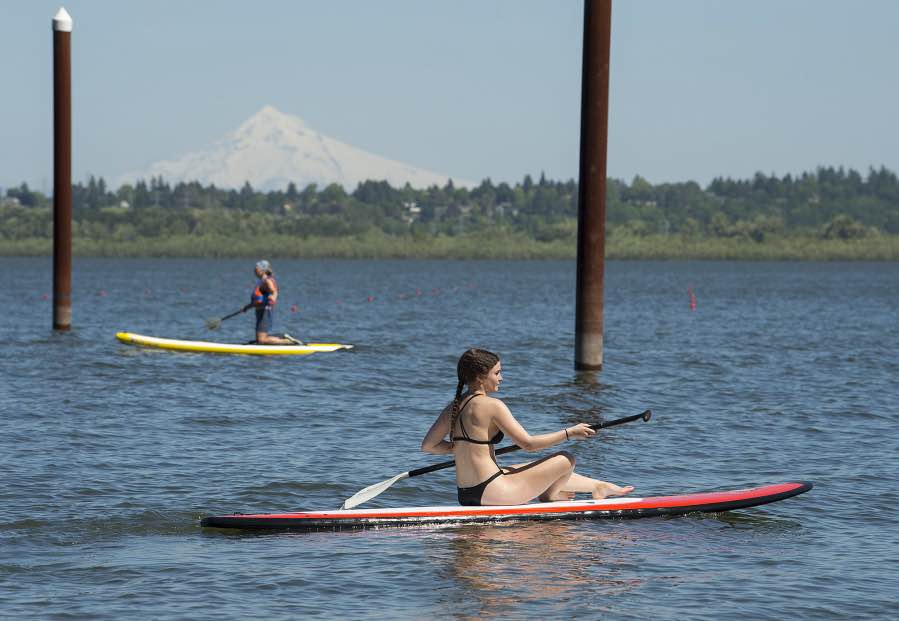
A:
110	454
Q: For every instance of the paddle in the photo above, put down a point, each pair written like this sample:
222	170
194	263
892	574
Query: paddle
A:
215	322
374	490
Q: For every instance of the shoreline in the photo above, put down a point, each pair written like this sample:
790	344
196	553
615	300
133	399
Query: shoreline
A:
510	247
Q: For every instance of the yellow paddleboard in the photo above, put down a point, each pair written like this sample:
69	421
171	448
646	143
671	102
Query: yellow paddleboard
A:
228	348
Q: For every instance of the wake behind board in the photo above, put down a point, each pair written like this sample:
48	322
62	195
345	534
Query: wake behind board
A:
228	348
623	507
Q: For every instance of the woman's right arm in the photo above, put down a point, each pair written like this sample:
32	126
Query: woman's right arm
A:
435	440
512	428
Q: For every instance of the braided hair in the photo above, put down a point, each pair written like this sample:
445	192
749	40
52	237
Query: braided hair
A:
472	364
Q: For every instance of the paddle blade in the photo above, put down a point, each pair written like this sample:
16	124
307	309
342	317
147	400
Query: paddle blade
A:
371	491
213	322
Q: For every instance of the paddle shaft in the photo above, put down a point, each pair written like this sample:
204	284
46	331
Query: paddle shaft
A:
510	449
235	313
213	324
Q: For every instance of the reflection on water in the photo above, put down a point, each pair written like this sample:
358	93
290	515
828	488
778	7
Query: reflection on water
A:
588	379
500	568
583	399
755	520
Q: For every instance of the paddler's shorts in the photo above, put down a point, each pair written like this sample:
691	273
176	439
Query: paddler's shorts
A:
264	320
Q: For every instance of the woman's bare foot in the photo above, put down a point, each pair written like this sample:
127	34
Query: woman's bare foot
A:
604	490
560	496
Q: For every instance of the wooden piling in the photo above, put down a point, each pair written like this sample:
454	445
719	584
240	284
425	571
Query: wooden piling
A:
588	342
62	171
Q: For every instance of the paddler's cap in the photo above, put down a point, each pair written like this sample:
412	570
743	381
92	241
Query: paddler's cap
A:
264	266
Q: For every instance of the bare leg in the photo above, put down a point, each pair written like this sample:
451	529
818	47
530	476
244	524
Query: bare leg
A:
263	338
599	489
543	479
580	483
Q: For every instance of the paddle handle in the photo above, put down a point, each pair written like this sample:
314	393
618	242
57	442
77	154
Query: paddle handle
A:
645	416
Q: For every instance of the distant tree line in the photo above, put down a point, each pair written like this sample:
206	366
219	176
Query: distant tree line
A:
829	203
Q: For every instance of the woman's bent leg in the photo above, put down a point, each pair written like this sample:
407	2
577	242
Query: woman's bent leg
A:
580	483
263	338
543	478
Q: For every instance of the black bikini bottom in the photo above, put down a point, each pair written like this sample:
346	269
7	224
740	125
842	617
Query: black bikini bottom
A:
471	496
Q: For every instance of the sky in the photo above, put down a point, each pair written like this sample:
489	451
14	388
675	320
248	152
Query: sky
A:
468	88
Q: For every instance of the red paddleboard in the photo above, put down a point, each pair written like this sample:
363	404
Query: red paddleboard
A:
622	507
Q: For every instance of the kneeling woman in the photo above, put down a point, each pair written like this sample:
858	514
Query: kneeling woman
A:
475	422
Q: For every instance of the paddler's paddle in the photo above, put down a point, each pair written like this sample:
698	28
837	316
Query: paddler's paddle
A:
215	322
373	490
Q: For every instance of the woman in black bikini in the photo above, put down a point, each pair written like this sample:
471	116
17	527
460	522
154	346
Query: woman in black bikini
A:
475	422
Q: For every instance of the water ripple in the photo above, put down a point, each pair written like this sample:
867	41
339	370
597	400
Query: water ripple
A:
111	454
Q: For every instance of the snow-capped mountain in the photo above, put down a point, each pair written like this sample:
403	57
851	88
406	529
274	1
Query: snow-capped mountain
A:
271	149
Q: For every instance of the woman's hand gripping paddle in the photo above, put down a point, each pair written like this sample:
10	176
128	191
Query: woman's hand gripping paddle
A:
378	488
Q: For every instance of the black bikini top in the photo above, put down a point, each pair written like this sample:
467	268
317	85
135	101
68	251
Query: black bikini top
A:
465	437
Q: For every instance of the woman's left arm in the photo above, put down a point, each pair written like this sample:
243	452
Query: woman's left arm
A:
273	290
435	440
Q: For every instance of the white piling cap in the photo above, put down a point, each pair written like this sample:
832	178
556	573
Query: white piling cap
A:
62	21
